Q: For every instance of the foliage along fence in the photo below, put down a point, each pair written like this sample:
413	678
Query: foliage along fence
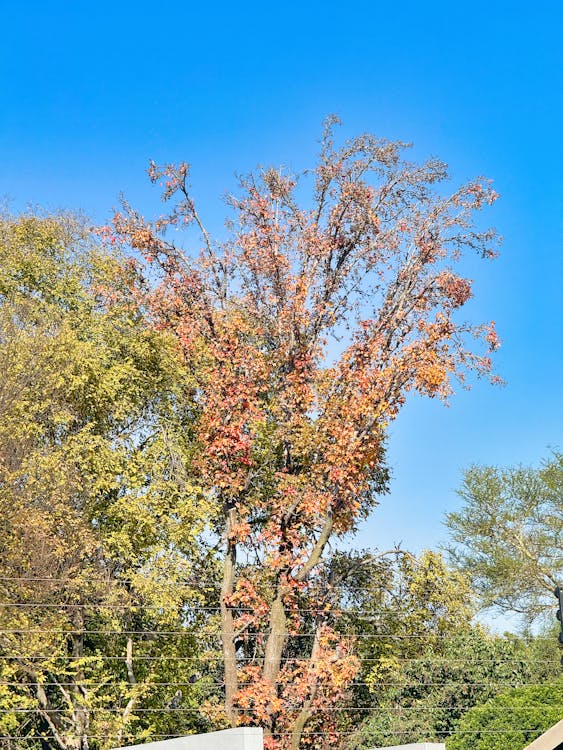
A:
154	671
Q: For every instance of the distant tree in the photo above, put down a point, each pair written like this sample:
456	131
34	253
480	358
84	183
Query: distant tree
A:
510	721
290	427
508	535
100	561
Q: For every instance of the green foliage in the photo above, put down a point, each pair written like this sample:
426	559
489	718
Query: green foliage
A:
510	721
100	523
424	663
424	698
402	610
508	535
103	525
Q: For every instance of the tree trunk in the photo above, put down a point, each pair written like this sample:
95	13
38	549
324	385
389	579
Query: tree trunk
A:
227	628
81	718
305	713
276	640
274	645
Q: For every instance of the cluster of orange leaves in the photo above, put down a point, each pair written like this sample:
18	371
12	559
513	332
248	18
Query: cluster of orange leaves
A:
289	432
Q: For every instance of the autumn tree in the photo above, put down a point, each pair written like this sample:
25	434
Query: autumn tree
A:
100	560
508	535
335	297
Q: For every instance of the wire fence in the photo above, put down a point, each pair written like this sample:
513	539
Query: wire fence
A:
197	631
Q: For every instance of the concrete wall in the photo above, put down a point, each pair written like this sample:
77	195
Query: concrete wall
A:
241	738
550	740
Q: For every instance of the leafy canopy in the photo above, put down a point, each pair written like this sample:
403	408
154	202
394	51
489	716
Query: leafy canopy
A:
97	515
508	534
510	721
290	426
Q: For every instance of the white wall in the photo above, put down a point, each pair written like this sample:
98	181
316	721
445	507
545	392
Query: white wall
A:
241	738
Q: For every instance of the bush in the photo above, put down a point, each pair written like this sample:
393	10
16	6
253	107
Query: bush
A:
510	721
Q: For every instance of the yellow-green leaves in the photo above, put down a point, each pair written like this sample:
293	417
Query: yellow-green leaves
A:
100	520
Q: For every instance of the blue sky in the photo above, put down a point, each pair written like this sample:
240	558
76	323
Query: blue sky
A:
91	91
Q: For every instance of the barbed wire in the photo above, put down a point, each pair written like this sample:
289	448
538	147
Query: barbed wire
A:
111	582
335	732
215	690
97	584
448	683
181	608
194	585
129	606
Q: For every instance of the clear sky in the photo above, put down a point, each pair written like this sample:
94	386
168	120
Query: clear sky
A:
90	91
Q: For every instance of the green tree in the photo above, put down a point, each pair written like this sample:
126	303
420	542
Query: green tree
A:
100	555
508	535
424	662
423	698
510	721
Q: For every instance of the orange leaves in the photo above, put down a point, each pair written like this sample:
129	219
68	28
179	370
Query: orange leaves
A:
492	337
430	377
320	681
455	289
246	597
240	531
304	334
142	239
258	699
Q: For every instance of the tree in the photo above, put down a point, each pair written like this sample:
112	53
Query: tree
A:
398	608
424	697
305	332
510	721
98	520
508	534
424	662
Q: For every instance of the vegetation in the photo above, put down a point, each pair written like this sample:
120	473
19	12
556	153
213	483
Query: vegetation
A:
289	433
424	698
186	436
511	720
97	514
